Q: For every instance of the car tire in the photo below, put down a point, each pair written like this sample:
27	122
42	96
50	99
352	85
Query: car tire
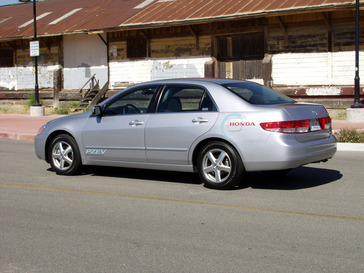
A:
64	155
219	166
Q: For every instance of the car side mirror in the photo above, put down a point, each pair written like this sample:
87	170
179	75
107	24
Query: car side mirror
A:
97	110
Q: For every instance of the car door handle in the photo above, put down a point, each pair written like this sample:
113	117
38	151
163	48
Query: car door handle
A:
199	120
135	123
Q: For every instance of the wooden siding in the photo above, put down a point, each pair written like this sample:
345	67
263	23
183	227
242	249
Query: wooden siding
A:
298	39
240	70
117	50
166	47
315	69
344	36
50	51
311	32
123	73
46	56
304	33
181	46
319	32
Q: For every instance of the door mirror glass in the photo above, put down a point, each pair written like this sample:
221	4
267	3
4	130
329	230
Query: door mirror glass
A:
97	111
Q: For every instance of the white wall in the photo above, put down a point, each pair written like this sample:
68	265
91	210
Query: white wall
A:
84	56
23	78
305	69
156	69
322	71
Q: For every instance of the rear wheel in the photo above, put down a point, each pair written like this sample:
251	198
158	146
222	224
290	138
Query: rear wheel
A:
64	155
219	166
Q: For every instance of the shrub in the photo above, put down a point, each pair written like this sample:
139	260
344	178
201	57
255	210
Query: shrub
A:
61	110
74	104
350	136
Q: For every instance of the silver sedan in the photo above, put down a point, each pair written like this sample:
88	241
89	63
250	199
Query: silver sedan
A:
220	129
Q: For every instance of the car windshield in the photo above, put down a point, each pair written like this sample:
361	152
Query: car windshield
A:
257	94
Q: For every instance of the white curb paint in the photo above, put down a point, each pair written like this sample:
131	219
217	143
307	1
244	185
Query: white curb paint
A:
352	147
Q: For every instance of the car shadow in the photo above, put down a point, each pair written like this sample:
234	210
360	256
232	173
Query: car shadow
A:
160	176
298	178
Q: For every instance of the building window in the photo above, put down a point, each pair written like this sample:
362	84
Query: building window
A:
136	47
241	47
6	58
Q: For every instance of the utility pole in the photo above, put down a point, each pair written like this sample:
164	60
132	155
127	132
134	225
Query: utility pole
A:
357	103
36	88
36	109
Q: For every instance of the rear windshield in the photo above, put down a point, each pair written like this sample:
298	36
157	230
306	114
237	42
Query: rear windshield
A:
257	94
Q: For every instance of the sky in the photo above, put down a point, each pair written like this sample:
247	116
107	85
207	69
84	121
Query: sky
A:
7	2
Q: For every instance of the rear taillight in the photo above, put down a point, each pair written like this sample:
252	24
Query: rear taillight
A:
325	123
297	126
287	127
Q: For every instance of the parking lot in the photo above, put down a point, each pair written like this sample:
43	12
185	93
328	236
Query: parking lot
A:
125	220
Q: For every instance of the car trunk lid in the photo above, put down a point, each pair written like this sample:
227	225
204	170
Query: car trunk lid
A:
320	122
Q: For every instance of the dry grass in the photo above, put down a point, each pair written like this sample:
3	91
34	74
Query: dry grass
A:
350	136
338	114
23	109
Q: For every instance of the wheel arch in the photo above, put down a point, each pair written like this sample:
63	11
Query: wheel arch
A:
202	143
51	137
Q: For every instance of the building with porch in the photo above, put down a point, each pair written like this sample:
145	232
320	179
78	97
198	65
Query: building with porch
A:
304	48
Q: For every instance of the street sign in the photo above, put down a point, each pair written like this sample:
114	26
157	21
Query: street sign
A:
34	48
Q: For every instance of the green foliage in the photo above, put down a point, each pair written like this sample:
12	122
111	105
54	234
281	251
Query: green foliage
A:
74	104
61	110
31	101
4	110
350	136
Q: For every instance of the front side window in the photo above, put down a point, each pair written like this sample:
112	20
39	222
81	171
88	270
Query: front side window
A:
257	94
185	98
133	102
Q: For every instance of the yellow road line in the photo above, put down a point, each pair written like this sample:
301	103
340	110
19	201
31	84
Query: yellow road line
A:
12	185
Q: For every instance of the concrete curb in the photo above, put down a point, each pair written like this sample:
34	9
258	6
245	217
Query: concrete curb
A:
350	147
17	136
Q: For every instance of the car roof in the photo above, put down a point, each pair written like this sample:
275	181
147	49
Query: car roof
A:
195	80
222	96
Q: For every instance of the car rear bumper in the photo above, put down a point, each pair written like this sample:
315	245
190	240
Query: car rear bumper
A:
289	153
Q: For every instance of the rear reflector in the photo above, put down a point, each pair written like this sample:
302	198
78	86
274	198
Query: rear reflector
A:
295	126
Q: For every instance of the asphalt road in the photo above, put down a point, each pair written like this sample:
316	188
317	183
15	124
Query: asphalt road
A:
120	220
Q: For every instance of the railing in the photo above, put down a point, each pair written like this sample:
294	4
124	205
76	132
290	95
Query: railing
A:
94	83
91	96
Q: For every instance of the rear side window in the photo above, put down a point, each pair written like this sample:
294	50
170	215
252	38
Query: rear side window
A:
185	98
257	94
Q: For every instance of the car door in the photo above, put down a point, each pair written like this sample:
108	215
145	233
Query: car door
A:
118	135
184	113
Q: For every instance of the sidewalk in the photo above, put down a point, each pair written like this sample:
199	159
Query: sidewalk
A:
25	127
22	126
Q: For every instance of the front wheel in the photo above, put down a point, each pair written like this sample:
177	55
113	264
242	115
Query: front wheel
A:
219	166
64	155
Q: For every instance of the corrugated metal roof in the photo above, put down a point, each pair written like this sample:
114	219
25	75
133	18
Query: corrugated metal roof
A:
174	11
81	15
57	17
